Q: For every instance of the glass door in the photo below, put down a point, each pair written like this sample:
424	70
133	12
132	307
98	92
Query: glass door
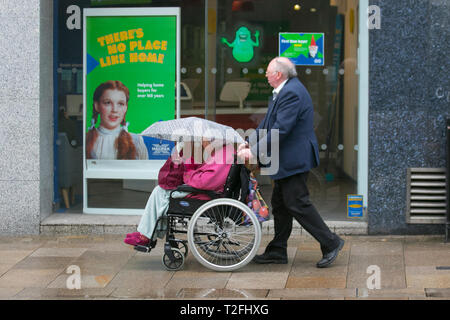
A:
242	38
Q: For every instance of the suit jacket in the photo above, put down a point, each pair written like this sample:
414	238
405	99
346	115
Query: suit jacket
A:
292	114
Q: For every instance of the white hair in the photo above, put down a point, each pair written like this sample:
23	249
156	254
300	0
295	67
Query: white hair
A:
286	67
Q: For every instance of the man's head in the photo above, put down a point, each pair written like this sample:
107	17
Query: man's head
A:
279	70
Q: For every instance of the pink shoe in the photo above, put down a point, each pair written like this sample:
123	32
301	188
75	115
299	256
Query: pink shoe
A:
132	235
136	241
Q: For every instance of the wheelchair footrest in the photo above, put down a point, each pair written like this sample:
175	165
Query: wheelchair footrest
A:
146	248
142	248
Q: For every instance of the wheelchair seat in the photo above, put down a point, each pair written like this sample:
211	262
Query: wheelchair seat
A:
187	206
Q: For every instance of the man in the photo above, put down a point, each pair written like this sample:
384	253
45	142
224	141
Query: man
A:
291	113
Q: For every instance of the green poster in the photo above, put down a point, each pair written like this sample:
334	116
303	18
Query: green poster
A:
303	49
130	82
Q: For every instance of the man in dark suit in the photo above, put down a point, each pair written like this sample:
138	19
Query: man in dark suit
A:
290	113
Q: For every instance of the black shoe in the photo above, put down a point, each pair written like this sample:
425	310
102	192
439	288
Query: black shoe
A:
330	256
270	257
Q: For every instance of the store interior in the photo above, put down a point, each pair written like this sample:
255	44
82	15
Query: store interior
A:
222	86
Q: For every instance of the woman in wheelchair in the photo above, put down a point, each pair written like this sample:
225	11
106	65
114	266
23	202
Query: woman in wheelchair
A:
210	174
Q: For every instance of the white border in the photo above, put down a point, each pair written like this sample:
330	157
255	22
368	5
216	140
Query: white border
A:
363	112
153	166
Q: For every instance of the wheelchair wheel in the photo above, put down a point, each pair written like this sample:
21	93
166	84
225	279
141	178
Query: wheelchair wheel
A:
224	234
173	263
180	245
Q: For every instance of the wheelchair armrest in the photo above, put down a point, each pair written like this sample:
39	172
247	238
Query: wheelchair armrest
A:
188	188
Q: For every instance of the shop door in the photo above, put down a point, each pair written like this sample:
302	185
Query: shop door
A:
242	38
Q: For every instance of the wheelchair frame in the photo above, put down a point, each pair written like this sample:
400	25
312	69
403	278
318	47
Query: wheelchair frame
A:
223	215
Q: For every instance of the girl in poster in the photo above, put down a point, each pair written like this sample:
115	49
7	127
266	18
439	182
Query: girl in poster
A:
111	140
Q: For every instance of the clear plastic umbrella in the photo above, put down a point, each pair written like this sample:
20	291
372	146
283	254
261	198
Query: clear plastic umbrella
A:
192	129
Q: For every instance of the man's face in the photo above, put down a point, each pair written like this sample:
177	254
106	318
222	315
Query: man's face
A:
273	77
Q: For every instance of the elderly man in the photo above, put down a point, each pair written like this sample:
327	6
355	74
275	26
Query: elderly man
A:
291	113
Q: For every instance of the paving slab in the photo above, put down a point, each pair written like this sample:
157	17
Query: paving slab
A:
40	293
391	272
411	267
427	255
258	280
195	293
9	257
58	252
262	276
387	256
437	293
33	262
305	274
5	268
427	277
98	262
87	281
9	293
149	292
198	279
311	293
24	278
130	279
316	282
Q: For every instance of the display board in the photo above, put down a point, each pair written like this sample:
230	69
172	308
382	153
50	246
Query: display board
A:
303	49
131	72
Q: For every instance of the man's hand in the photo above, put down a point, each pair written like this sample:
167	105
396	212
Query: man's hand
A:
242	146
245	154
176	157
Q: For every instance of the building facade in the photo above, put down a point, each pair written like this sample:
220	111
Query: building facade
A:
379	82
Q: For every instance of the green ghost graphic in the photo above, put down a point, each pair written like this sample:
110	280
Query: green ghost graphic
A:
243	44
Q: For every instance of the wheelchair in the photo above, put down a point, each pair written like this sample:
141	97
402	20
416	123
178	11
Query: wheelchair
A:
223	233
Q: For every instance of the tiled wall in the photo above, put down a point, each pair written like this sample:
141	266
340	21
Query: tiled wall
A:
409	102
26	128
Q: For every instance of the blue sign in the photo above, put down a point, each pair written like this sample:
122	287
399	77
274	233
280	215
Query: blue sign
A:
158	149
354	206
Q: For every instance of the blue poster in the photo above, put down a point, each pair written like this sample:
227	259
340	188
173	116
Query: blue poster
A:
158	149
355	206
303	49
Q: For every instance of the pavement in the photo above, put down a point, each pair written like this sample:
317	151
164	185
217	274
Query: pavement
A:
368	267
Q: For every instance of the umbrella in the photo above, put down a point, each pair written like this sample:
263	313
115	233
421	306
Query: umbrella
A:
192	129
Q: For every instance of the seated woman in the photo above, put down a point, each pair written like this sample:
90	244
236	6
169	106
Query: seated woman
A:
211	174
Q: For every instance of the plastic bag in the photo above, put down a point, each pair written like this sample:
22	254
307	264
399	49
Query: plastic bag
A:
256	202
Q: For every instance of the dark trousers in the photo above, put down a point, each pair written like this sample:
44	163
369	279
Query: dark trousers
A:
290	199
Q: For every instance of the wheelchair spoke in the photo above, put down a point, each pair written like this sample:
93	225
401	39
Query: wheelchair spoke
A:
224	235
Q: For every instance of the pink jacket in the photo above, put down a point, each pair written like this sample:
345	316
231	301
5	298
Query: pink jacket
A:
212	174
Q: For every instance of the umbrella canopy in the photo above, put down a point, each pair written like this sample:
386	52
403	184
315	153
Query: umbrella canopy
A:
192	129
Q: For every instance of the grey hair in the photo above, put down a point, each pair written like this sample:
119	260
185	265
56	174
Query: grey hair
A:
286	67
